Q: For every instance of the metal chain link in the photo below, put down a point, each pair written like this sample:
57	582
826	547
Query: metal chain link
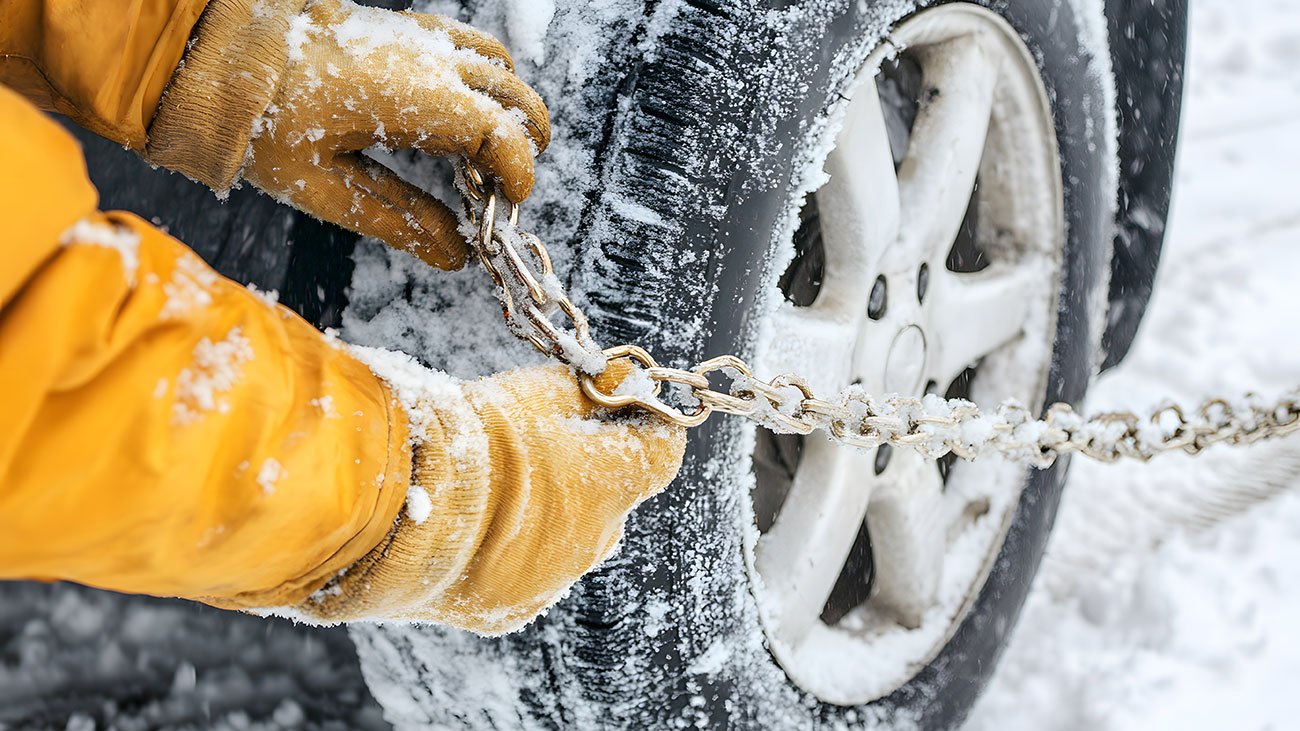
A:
530	294
528	299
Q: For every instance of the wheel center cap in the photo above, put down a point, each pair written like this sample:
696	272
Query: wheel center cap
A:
905	365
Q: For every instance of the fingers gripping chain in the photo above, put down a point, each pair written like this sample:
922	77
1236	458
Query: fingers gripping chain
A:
530	294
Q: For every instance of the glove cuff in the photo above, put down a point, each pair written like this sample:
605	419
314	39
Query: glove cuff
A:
224	84
434	539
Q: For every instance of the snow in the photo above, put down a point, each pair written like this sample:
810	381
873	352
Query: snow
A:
109	236
638	384
1169	593
301	29
712	661
326	406
270	296
419	390
428	676
69	653
527	22
433	401
576	349
418	504
655	612
270	473
1160	604
455	307
189	287
451	320
366	31
216	368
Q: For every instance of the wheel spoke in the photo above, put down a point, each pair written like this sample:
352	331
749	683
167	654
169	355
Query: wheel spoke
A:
873	569
802	555
908	537
947	143
859	204
972	315
814	342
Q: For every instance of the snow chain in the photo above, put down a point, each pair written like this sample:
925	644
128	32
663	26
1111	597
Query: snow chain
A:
531	294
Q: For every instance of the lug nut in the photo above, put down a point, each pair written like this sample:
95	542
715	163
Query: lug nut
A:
883	454
876	303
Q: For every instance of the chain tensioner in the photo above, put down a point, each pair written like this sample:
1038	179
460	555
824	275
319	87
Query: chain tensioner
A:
530	294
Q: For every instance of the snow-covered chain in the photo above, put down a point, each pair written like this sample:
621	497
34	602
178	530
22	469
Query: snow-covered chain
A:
931	425
935	426
528	299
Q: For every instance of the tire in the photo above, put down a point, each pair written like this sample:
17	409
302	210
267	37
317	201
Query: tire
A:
721	124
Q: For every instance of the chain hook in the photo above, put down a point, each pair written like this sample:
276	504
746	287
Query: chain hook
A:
653	403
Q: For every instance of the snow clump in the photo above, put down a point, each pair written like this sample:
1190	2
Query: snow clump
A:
118	238
418	504
216	370
189	287
271	473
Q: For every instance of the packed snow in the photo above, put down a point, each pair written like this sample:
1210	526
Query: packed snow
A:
418	504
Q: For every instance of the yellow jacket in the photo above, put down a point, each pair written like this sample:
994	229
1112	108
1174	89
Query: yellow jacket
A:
102	63
259	431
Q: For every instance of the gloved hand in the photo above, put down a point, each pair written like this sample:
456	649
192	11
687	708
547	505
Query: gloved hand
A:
524	488
289	97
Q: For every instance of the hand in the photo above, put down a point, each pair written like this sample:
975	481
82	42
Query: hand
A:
521	487
306	92
359	77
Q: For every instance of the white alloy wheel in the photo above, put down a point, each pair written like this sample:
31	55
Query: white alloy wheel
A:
937	271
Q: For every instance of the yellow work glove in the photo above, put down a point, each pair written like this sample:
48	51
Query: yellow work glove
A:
288	96
521	485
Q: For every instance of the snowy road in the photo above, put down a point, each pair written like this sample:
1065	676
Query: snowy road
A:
1137	621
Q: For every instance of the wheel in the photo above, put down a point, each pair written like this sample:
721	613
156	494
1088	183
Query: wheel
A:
959	246
928	263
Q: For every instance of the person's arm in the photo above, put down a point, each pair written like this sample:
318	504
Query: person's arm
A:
167	431
286	95
103	63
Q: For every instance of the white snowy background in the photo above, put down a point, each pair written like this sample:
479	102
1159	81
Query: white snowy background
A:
1170	595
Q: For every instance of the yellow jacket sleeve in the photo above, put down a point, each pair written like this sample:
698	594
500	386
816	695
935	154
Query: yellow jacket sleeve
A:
104	63
165	430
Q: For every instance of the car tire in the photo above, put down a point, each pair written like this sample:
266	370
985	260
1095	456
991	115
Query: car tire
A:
721	136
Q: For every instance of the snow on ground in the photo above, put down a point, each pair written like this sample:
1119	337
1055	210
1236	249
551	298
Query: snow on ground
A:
1145	616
